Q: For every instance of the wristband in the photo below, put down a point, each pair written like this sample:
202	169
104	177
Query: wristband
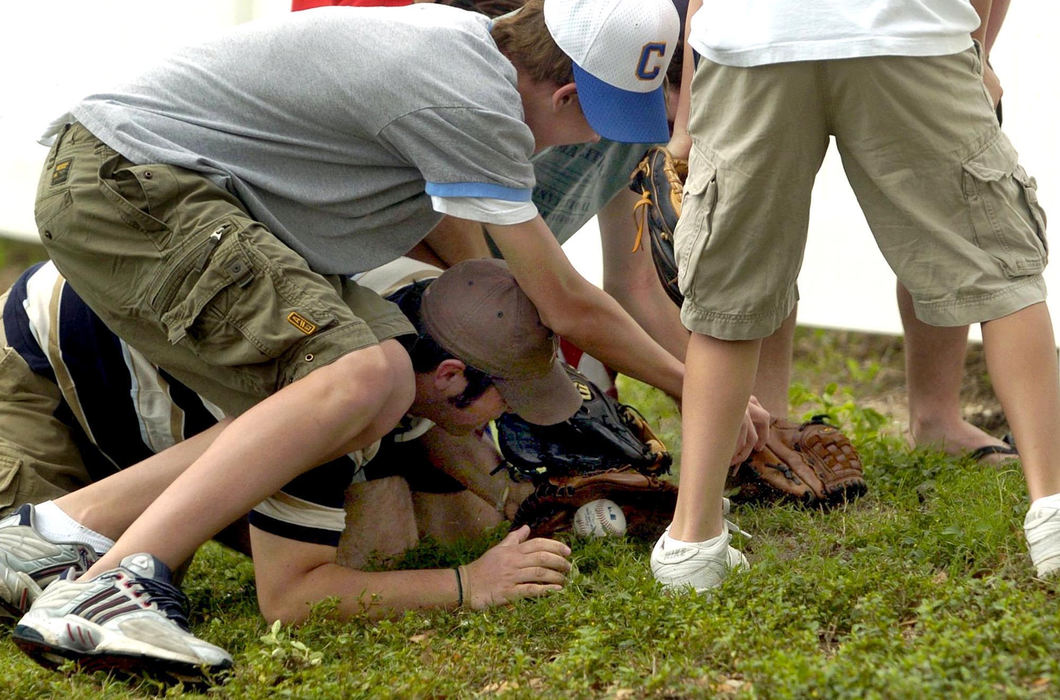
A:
465	584
459	588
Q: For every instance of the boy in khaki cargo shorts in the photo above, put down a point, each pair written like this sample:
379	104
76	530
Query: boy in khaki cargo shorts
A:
208	211
954	214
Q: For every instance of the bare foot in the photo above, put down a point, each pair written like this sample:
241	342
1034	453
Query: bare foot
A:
961	438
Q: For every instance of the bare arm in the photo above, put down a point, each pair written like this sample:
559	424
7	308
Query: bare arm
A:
631	279
680	141
292	576
471	460
581	312
453	240
991	17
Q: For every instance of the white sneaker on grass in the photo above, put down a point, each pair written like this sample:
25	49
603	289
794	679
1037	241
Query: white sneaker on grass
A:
699	565
29	561
1042	528
128	620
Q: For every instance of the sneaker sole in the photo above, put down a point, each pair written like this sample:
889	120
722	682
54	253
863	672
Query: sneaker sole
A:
33	644
10	611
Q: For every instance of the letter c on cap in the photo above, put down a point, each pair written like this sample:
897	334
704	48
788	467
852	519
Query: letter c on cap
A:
650	60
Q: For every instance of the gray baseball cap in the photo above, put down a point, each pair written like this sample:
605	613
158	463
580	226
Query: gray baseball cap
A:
476	311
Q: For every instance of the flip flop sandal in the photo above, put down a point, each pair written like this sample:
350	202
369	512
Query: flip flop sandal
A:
988	450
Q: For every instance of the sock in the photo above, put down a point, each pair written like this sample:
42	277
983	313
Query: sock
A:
55	525
712	543
1052	501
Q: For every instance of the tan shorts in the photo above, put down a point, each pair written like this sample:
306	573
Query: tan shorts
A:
951	209
174	265
39	459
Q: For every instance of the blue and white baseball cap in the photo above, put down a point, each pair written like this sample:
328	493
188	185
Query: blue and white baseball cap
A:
620	50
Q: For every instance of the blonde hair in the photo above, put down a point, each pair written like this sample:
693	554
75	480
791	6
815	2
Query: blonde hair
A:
526	41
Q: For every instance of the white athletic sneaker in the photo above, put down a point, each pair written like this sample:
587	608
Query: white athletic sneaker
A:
29	562
702	566
130	620
1042	528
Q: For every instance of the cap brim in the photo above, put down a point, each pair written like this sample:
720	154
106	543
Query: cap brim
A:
622	115
545	400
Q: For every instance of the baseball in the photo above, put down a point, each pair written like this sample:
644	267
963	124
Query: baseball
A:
599	518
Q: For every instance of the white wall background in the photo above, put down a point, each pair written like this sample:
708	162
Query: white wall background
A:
54	51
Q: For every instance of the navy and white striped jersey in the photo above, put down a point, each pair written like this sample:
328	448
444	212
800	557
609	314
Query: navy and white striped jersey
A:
122	408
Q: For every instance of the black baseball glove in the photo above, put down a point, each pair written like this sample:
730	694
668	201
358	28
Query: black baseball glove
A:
659	180
606	450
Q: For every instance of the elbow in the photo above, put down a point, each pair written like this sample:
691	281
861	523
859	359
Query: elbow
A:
572	320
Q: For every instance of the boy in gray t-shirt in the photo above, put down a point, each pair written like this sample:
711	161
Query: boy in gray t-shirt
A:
209	212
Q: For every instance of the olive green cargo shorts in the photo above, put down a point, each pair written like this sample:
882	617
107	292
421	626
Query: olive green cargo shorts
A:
39	459
174	265
951	209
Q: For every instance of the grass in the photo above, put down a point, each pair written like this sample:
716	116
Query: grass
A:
922	588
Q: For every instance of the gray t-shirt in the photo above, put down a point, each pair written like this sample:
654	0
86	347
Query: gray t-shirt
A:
334	126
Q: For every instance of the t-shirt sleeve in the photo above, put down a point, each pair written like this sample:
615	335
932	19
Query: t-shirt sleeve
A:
311	507
487	211
467	153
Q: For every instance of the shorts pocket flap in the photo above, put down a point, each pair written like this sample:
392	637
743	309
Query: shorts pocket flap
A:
10	468
994	162
699	179
199	283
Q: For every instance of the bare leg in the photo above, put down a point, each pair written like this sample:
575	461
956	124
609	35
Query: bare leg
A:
718	379
340	407
774	368
1021	357
934	368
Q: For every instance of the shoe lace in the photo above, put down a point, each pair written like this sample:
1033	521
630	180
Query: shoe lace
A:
169	599
736	530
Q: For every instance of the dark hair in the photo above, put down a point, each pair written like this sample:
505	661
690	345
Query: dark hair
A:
427	354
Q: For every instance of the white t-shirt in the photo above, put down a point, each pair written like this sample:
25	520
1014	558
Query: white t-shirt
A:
760	32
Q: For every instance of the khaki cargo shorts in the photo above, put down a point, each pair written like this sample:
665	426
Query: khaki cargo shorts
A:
174	265
951	209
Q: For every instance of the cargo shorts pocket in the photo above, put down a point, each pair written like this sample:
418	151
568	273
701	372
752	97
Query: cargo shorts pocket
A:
1008	221
10	471
136	190
232	301
699	199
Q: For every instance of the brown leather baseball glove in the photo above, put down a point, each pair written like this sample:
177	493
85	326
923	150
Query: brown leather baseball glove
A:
811	462
659	180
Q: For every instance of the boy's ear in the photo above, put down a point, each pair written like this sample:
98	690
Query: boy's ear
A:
447	372
564	96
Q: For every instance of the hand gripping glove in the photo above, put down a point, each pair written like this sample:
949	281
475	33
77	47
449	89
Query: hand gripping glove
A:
811	462
659	180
